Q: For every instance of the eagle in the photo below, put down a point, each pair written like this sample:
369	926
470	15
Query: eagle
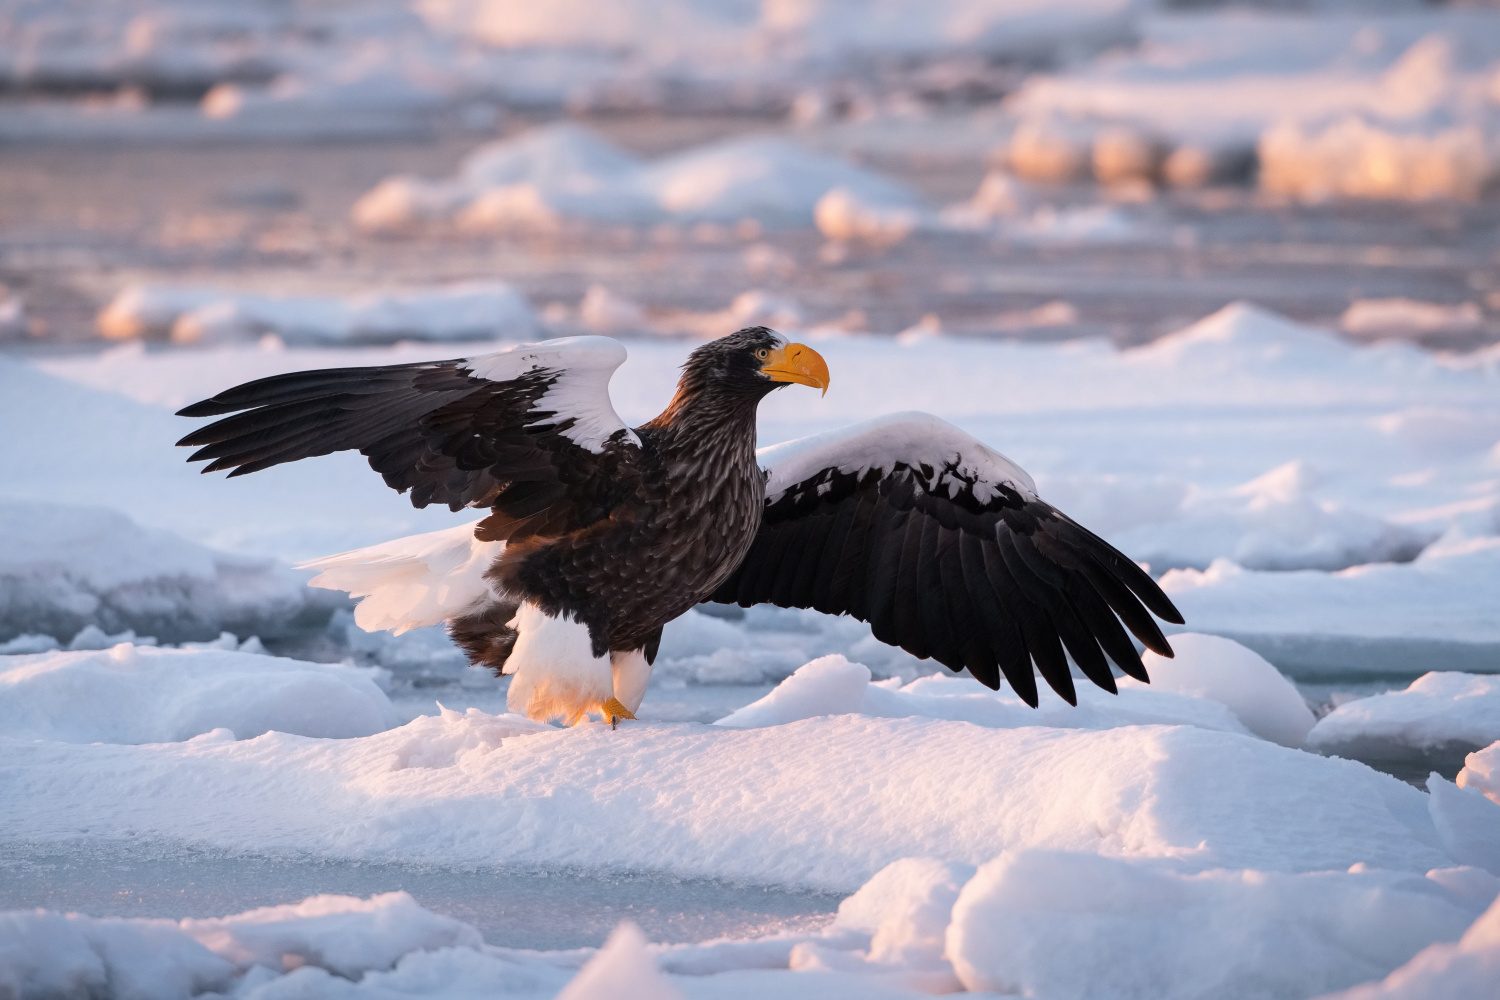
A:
598	534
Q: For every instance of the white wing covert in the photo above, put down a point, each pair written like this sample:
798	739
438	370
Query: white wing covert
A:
944	547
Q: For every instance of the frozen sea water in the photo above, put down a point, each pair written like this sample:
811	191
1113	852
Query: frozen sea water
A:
519	907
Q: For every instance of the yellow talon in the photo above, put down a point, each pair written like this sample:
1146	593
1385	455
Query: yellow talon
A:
615	711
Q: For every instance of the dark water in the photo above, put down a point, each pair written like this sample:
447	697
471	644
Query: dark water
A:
511	907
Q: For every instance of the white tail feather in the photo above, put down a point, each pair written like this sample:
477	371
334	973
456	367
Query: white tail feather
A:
413	581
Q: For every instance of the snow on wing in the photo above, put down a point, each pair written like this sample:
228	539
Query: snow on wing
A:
529	431
943	546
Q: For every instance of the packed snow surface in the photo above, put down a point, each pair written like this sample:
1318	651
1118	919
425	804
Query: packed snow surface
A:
821	802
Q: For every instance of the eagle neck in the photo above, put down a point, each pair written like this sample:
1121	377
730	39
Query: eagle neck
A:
698	422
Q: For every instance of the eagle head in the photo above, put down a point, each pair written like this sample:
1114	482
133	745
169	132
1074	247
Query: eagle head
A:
752	362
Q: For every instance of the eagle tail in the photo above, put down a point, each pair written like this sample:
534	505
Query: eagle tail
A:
414	581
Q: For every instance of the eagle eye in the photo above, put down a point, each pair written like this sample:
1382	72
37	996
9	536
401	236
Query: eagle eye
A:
763	353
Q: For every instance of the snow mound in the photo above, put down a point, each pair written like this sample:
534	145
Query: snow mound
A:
1219	669
141	694
470	311
621	970
735	803
1075	926
831	685
562	175
66	568
906	908
1469	967
1437	709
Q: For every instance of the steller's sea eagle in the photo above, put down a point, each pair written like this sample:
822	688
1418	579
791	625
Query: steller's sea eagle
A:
599	534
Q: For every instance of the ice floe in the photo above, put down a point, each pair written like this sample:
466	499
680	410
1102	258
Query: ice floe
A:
561	175
65	568
142	694
1436	710
189	315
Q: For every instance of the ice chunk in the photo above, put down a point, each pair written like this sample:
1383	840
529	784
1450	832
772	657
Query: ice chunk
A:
1219	669
1467	822
141	694
1482	771
45	954
844	217
65	568
342	934
1437	709
622	970
1399	317
1070	926
1467	968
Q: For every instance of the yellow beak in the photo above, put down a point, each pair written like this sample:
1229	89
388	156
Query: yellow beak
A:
797	363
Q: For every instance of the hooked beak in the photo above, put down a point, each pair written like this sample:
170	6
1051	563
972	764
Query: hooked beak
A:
797	363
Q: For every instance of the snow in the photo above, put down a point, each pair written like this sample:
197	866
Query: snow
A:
1070	925
1222	670
1469	967
190	315
141	694
1438	708
562	174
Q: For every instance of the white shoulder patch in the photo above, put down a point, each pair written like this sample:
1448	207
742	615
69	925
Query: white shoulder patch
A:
584	366
913	438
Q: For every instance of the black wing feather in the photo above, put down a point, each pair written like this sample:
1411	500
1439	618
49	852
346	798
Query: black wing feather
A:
433	430
999	586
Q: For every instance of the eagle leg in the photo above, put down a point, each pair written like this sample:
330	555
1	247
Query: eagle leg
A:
616	712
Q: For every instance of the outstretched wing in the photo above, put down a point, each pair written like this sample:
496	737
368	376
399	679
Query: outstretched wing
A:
943	546
529	431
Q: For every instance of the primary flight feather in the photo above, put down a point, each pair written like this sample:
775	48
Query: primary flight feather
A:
599	534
